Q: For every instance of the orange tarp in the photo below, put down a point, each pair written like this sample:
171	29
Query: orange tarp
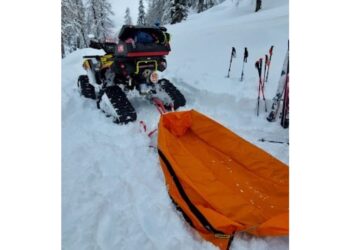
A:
221	182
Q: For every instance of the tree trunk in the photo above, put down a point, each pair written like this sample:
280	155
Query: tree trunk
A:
200	6
258	5
62	47
78	43
97	33
84	38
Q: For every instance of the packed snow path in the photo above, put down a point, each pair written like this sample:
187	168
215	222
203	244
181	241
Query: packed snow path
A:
113	190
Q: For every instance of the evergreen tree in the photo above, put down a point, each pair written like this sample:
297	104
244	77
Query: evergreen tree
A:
172	11
142	15
167	10
155	13
178	11
209	4
80	24
65	27
73	26
202	5
99	12
127	17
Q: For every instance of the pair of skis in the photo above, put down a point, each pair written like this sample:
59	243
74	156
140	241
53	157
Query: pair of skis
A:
258	66
245	58
285	107
262	81
282	93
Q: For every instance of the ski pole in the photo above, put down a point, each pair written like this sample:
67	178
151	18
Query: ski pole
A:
233	54
263	82
245	57
268	68
263	95
266	63
272	141
263	88
258	67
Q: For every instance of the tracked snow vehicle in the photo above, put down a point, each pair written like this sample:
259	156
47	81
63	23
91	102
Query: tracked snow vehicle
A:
129	64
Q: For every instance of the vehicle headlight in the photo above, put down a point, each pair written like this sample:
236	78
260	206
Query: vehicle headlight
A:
154	77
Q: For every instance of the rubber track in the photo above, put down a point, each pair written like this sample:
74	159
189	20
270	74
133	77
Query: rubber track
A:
121	104
87	90
175	95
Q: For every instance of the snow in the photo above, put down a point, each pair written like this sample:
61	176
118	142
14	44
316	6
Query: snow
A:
113	190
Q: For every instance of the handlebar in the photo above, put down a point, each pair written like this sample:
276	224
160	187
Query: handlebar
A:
108	47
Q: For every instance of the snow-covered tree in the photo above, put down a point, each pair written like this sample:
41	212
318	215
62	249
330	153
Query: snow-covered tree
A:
141	20
155	12
99	13
202	5
73	25
172	11
127	17
178	11
80	24
167	10
65	26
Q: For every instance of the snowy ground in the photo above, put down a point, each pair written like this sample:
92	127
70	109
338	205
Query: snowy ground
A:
113	192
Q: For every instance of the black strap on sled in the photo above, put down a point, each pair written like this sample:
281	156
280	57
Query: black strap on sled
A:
184	196
192	207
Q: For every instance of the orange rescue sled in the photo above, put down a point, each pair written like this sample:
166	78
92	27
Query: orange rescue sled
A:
222	183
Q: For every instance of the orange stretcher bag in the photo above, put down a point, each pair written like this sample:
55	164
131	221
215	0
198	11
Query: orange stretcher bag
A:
220	182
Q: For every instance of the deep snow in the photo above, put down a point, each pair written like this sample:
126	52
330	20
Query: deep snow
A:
113	191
